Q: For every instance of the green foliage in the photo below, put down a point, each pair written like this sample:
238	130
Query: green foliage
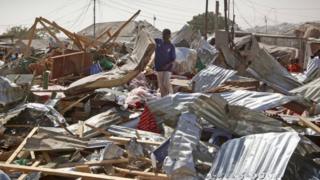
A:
198	22
22	32
17	32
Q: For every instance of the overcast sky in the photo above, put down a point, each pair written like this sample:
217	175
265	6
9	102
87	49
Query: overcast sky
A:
77	14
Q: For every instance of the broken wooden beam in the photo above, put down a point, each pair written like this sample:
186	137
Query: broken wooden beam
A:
95	163
57	172
16	152
309	124
141	173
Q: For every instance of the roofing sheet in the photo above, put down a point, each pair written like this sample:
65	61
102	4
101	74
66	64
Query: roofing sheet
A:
135	63
214	109
256	100
264	67
211	77
180	161
310	91
236	119
259	156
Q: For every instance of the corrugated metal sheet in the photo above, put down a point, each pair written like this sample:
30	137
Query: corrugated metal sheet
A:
102	120
37	110
135	63
260	156
170	107
313	69
10	92
265	68
211	77
256	100
236	119
214	109
310	91
180	163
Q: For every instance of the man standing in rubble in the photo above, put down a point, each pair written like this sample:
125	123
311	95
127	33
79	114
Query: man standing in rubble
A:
165	55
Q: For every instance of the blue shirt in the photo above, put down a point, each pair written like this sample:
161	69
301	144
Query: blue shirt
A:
165	54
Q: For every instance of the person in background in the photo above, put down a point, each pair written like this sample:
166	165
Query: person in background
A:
165	56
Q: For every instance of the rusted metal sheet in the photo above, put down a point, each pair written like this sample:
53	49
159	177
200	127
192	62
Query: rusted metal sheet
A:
135	63
73	63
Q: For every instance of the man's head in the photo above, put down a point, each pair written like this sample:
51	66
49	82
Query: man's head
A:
166	35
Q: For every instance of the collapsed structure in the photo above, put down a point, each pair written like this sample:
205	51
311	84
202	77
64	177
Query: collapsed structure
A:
90	108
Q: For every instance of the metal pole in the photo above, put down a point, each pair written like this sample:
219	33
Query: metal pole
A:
266	21
206	21
94	19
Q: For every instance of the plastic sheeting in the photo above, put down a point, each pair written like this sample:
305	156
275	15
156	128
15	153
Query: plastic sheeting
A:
309	91
256	100
179	164
260	156
189	38
211	77
186	60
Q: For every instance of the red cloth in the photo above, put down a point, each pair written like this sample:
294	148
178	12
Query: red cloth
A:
148	121
294	68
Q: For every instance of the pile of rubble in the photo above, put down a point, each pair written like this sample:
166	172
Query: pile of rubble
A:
90	109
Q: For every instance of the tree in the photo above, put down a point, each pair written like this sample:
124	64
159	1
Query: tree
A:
22	32
17	32
198	22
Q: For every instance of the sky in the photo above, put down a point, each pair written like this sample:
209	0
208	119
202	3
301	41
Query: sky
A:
75	15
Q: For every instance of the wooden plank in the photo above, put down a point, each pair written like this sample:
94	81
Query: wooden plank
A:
16	152
73	104
309	124
52	34
65	55
100	130
141	173
33	155
114	35
23	176
57	172
94	163
30	36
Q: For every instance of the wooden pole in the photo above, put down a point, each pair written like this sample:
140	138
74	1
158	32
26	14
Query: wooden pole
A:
309	124
30	36
58	172
206	22
226	24
216	22
52	34
141	173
